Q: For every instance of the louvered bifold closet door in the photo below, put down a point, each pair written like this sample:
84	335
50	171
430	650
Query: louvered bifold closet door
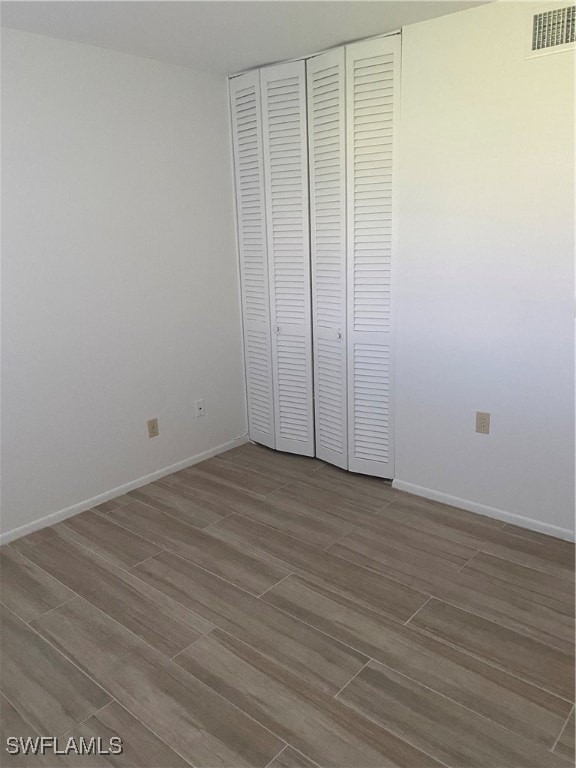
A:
327	148
251	214
286	175
372	104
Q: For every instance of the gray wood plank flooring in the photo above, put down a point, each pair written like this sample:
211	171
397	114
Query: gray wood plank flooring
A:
451	733
44	685
270	611
481	687
565	744
26	589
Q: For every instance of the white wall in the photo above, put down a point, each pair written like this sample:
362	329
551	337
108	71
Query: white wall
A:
119	272
486	268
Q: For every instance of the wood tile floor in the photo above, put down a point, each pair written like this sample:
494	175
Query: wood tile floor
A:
261	609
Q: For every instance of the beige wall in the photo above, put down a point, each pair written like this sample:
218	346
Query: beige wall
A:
119	272
486	268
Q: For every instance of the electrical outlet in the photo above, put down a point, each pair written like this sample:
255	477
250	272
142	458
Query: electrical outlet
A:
153	428
482	422
199	405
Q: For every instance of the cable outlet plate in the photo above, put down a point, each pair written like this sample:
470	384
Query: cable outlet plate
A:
153	428
199	406
482	422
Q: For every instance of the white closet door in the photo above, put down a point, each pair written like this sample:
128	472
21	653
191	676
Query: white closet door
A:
372	96
251	213
286	176
327	146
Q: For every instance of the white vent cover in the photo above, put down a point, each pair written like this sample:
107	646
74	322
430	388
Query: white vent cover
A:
552	29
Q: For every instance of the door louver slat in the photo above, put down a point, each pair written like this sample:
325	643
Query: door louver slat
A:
251	213
286	173
372	105
326	136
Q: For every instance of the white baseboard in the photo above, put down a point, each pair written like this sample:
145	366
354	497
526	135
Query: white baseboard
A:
56	517
482	509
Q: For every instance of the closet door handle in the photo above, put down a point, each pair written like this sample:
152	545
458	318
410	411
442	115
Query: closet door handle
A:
340	335
277	329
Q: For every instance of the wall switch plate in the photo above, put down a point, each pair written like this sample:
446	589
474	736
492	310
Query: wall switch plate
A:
482	422
199	405
153	428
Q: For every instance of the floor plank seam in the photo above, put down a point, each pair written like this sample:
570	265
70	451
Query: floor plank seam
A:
94	551
76	595
212	573
86	599
440	640
170	514
417	611
396	580
281	488
453	701
278	663
214	522
147	727
436	760
124	705
422	632
553	747
275	585
284	748
54	607
150	557
339	539
458	648
387	728
491	663
426	595
569	577
268	475
351	679
64	655
96	588
327	634
162	548
467	562
384	505
231	484
358	504
504	626
189	645
94	714
146	559
447	537
516	535
247	550
385	578
22	715
230	702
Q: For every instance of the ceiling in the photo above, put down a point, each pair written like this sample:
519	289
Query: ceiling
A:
219	35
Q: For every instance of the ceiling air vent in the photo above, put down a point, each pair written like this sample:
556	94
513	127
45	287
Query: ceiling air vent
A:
552	30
